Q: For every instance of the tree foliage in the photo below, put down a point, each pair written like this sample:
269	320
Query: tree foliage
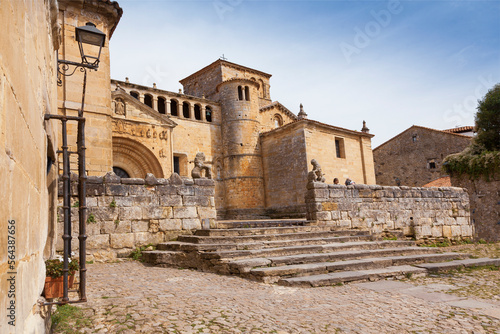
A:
488	120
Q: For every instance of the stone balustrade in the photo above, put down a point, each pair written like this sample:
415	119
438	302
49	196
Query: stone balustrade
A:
419	212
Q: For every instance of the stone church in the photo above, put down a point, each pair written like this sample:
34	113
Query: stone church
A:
258	151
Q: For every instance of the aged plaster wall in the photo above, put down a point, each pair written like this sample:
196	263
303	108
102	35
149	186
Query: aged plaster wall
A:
406	159
127	213
420	212
484	205
72	14
27	92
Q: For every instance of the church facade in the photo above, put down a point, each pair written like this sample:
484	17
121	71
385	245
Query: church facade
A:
258	151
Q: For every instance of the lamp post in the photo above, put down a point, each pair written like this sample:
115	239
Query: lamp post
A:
90	42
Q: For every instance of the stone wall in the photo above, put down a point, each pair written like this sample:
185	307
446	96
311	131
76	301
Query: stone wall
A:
484	205
126	213
28	189
414	157
419	212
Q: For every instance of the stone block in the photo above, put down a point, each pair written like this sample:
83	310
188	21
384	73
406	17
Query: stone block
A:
154	226
462	221
446	231
456	231
187	181
121	240
150	179
466	230
142	201
130	213
191	224
91	201
329	206
94	180
336	193
103	213
141	190
117	189
316	185
170	224
124	201
324	215
98	241
204	191
335	215
195	200
185	212
167	190
185	190
423	231
204	212
437	231
204	182
154	212
140	226
144	238
171	200
111	177
133	181
116	226
93	190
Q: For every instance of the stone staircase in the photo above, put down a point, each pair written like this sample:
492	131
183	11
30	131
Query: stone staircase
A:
293	253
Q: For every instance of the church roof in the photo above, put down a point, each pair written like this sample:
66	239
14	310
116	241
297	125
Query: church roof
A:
220	62
280	107
323	125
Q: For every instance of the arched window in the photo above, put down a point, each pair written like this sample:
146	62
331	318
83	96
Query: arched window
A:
173	108
240	93
134	94
185	110
278	121
262	92
247	93
161	105
208	114
148	100
197	112
121	172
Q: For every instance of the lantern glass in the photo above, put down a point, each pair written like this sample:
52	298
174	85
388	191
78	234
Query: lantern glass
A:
90	41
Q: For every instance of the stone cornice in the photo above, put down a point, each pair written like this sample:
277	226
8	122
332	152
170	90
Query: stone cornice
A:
280	107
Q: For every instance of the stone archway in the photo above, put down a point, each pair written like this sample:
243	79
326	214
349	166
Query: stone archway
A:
135	158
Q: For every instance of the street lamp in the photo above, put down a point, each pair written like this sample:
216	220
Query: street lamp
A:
90	42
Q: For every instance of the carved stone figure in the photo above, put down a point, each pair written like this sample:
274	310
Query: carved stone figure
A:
119	107
316	175
199	167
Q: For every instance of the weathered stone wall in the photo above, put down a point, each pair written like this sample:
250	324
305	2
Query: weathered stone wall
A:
420	212
28	189
484	205
127	213
407	158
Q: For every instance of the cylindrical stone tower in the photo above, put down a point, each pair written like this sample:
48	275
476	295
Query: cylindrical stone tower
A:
243	175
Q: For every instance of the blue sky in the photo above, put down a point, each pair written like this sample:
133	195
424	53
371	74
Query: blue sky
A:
391	63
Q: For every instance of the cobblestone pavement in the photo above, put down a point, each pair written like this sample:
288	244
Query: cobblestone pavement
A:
131	297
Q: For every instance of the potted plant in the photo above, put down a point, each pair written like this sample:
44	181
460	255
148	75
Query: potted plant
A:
54	285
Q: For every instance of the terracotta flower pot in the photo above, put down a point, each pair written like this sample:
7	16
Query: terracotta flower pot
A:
54	287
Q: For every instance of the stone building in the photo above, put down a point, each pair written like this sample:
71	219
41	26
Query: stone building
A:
415	156
258	149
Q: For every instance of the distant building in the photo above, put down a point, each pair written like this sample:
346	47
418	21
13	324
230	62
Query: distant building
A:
463	130
415	156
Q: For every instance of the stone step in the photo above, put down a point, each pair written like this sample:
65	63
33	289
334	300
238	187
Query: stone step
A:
273	274
353	276
314	237
267	230
242	266
232	224
184	245
458	264
308	249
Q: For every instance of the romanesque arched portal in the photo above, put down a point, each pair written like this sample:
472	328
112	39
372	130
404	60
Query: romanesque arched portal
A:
135	158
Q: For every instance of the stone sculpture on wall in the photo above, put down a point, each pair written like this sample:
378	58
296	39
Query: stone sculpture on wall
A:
316	175
119	107
199	167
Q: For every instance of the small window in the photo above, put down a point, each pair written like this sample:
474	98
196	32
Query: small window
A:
185	110
240	93
247	93
414	138
278	121
208	114
197	112
180	164
339	148
431	164
161	105
135	95
176	165
173	108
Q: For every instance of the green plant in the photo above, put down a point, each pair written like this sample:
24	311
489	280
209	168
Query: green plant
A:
76	204
391	238
69	319
408	275
117	222
91	219
112	204
54	268
488	120
136	254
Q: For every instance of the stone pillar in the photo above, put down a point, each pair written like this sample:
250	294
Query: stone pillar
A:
204	113
167	107
141	97
155	103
